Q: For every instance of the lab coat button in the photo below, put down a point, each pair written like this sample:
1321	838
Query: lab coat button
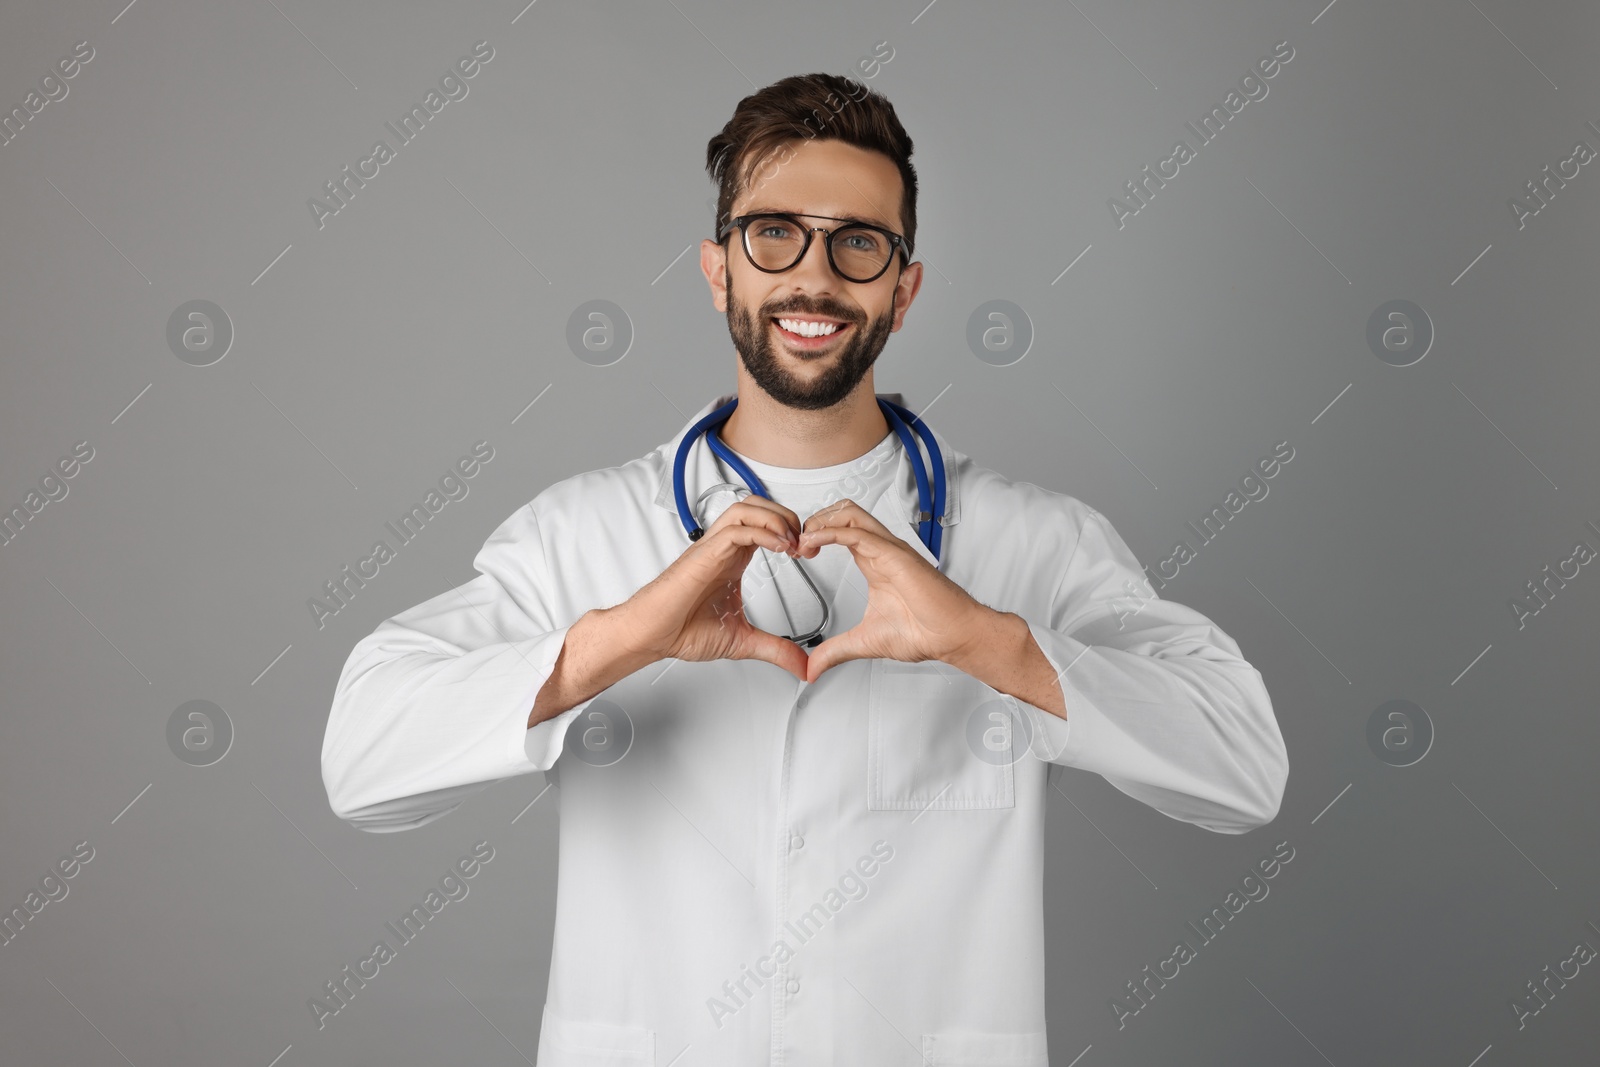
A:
797	841
794	985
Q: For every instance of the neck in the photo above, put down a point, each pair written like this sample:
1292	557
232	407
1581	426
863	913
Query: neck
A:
769	432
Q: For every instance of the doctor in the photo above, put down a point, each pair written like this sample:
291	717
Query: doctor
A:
789	854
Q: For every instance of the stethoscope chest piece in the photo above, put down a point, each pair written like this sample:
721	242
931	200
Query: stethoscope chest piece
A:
717	499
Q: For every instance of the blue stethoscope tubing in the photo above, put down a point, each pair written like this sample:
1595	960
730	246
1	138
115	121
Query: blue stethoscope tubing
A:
930	501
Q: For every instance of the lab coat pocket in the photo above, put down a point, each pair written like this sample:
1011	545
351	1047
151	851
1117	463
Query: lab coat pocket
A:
968	1049
571	1043
929	740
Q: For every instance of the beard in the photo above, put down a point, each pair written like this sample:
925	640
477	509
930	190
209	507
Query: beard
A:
846	366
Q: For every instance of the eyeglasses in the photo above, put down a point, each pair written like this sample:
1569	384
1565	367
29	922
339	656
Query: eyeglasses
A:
775	242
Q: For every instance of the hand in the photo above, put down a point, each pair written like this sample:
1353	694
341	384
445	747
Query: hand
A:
913	612
694	610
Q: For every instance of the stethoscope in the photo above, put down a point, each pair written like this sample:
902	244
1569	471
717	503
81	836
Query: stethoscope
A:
930	501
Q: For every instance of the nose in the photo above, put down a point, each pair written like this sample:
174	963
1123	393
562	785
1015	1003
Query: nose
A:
814	266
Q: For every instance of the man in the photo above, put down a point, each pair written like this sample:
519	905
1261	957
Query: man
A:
770	856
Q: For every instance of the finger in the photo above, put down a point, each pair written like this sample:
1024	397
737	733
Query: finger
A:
759	508
716	561
846	513
756	518
861	542
764	532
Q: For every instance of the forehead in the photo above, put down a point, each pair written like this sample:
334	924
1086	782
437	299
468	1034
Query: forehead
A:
825	178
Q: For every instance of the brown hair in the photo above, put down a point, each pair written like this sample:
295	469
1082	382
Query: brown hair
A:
809	106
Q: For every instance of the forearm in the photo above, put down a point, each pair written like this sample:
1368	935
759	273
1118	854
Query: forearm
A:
1003	654
594	656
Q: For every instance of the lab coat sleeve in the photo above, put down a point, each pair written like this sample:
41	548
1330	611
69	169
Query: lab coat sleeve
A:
432	707
1159	700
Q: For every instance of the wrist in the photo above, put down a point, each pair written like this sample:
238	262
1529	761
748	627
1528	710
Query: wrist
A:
986	633
616	630
596	653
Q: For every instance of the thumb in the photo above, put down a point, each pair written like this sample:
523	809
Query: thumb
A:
756	643
835	650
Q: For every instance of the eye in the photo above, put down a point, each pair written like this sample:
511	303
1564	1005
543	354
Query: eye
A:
862	240
774	229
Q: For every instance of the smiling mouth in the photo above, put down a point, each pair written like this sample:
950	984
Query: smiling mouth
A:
817	335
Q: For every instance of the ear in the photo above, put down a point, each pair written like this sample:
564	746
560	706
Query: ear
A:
713	264
905	291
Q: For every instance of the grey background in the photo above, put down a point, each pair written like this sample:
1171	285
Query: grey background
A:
1228	315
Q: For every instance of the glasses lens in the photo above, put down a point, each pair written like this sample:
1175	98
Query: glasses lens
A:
859	252
775	244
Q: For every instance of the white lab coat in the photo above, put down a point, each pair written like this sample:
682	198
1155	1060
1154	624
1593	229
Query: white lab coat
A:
727	808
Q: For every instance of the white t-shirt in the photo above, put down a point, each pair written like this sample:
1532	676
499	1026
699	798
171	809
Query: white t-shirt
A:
775	594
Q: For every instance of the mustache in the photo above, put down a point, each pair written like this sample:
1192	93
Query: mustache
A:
827	312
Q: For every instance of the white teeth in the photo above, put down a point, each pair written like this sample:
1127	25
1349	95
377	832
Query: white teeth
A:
809	329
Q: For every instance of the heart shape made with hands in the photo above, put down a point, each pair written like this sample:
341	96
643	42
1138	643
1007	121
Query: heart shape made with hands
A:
913	613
